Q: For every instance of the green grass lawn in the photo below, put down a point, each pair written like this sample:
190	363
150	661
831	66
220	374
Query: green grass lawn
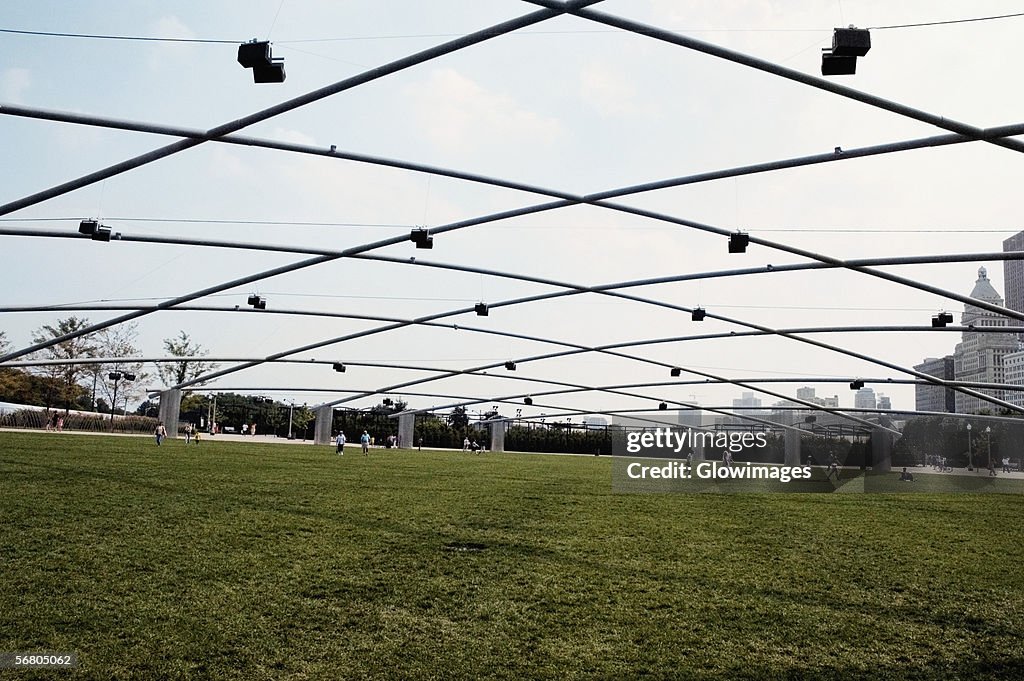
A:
252	561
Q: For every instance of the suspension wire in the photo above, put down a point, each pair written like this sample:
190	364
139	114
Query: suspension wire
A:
265	114
575	8
601	199
572	289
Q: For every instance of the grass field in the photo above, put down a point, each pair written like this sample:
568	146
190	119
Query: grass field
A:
244	561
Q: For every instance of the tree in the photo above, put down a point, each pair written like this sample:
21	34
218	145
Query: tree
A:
66	376
12	381
176	373
15	384
118	341
148	408
301	418
458	419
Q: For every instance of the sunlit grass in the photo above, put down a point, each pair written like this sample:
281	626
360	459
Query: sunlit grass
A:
255	561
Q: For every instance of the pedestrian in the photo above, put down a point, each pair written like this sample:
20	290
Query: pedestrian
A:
364	440
252	430
1006	464
340	442
833	469
161	433
60	424
465	444
198	434
188	433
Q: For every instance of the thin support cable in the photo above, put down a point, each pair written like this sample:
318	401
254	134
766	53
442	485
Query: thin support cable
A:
607	291
297	102
778	70
600	199
426	55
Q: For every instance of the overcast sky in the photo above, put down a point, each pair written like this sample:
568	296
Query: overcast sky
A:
567	104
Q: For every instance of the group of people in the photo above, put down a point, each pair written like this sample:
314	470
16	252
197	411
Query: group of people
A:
468	446
191	433
55	422
364	441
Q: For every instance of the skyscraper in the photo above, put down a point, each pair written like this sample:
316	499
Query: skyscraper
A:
979	356
935	397
864	399
1013	274
805	393
1013	371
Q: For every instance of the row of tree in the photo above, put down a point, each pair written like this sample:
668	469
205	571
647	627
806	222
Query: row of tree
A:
948	437
75	380
232	412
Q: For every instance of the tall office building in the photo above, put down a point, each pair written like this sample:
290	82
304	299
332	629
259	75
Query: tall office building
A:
748	400
935	397
1013	372
1013	274
864	399
979	356
805	393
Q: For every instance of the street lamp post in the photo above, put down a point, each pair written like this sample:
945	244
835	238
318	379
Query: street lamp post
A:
291	410
117	377
212	414
970	454
114	376
988	442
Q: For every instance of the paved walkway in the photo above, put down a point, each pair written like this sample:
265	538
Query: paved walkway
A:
230	437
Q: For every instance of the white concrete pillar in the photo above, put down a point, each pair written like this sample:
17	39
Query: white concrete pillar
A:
881	450
322	432
170	409
792	457
406	430
498	428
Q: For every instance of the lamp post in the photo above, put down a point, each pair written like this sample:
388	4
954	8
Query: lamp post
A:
970	454
117	377
988	442
291	410
213	414
127	377
114	376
